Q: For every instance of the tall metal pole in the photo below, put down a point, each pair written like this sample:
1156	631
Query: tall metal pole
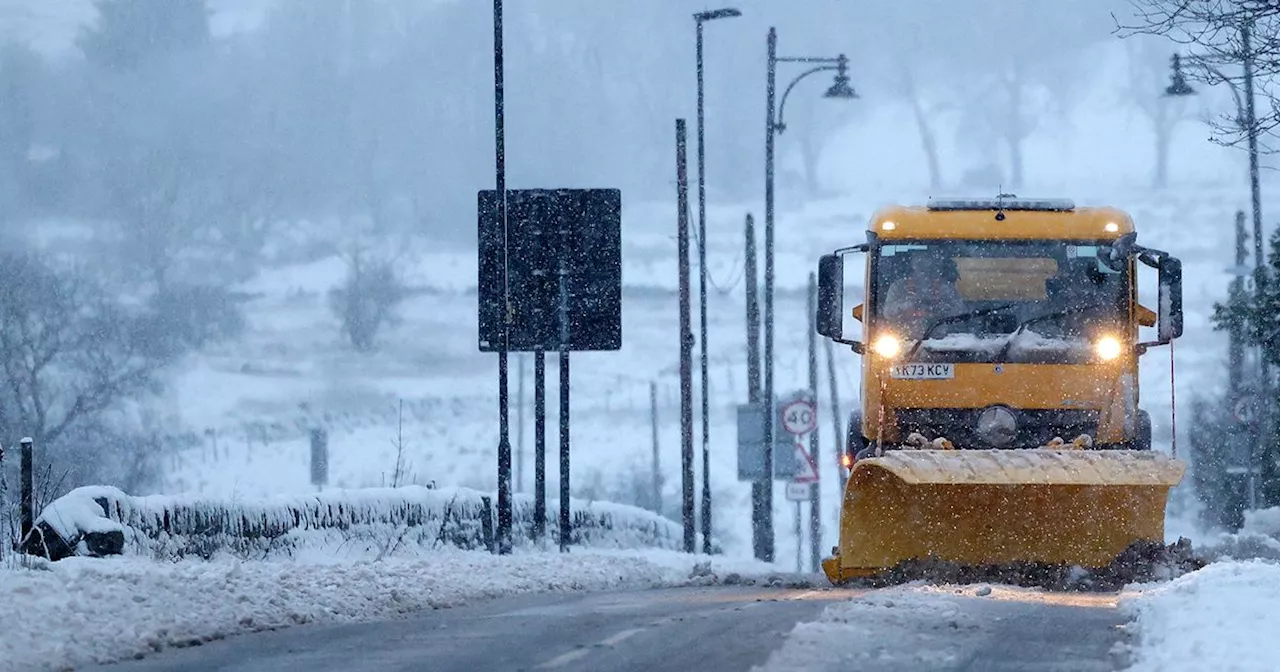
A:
753	379
1252	121
656	467
751	272
1235	343
565	521
540	445
564	389
504	440
702	311
799	539
686	340
770	130
520	376
1264	382
837	438
815	490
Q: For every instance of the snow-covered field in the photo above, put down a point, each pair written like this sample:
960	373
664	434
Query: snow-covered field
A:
80	611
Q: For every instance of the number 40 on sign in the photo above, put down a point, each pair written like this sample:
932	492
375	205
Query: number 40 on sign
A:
798	417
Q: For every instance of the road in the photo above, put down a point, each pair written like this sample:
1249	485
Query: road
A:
710	629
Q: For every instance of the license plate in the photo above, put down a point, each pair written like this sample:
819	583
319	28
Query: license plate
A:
922	371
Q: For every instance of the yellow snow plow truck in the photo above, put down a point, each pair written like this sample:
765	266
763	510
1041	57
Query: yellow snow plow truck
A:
999	422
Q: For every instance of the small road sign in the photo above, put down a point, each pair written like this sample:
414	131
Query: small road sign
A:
799	492
1245	409
808	468
799	418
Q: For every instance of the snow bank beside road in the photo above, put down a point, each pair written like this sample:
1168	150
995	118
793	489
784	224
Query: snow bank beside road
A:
1224	617
176	527
80	610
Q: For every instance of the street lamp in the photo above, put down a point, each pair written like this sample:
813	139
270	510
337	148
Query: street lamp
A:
840	89
1246	118
699	19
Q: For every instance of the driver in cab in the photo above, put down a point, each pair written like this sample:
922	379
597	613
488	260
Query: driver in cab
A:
927	293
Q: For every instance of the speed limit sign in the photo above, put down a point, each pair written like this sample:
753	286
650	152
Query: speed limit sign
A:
798	417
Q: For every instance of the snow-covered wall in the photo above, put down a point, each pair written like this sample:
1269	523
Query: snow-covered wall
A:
382	519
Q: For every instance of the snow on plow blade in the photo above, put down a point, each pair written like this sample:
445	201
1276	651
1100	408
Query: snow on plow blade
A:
997	507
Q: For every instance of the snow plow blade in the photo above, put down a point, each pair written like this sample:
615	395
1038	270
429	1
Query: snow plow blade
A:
983	508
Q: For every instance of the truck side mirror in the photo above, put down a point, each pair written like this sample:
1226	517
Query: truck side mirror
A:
830	317
1116	255
1169	323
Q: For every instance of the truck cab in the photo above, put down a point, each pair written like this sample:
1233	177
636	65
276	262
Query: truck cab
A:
1000	324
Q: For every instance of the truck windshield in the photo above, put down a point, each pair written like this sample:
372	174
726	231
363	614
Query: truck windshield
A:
1040	301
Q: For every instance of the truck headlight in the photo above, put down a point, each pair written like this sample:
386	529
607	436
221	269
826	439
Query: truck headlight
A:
1108	347
887	346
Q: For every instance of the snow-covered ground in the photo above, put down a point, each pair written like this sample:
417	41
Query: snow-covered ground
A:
1224	617
81	611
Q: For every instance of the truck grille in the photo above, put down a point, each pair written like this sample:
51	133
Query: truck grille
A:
1036	427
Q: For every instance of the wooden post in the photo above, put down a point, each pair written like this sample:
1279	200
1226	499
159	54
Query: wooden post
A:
27	503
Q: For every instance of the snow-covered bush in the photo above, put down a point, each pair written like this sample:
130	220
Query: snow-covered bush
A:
384	520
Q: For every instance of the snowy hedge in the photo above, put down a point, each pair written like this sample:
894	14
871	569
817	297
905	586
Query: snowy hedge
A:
379	519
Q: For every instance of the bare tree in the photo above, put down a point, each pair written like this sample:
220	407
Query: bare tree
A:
67	351
1222	35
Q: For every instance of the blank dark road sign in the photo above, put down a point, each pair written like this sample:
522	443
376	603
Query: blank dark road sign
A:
577	231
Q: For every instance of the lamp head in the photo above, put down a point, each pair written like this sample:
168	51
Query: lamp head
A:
841	88
711	15
1178	85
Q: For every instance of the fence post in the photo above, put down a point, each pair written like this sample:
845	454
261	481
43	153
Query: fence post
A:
319	458
486	522
28	503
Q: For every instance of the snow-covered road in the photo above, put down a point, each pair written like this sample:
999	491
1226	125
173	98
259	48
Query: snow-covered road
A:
469	610
80	611
710	629
917	627
460	609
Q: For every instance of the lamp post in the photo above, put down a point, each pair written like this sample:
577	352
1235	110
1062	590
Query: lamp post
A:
699	19
1246	119
840	89
503	545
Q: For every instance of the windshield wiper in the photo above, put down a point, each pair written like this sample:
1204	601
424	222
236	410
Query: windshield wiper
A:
954	318
1004	352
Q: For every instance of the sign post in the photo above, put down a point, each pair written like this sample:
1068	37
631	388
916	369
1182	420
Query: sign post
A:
798	417
550	280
